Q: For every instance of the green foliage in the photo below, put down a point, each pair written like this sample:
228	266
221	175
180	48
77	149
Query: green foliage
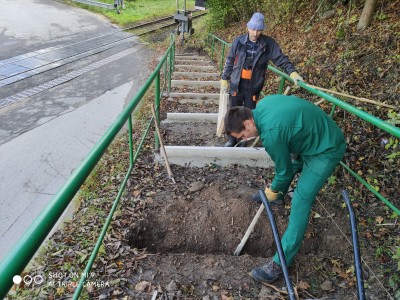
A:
393	117
332	180
224	12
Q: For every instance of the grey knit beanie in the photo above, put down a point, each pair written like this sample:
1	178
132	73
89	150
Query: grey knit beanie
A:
256	22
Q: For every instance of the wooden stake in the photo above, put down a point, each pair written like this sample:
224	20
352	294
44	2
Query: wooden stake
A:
353	97
223	107
249	230
162	145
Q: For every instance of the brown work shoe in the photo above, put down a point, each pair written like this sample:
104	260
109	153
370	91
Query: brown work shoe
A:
267	273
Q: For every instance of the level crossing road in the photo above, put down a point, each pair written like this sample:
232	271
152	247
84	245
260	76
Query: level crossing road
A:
65	75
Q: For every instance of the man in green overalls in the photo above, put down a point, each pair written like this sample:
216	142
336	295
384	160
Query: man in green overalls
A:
290	125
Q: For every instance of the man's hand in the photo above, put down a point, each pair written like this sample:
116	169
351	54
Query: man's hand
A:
271	195
224	84
295	77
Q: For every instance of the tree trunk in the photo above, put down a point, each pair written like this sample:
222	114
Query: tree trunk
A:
367	14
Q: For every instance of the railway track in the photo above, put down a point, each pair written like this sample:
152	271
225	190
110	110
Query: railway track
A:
23	66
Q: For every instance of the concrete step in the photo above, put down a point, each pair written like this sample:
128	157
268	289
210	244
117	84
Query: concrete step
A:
197	75
198	156
191	117
200	96
193	68
194	83
200	101
194	62
186	54
193	57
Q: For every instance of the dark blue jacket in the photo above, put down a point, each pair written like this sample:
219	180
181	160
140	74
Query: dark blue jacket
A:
268	50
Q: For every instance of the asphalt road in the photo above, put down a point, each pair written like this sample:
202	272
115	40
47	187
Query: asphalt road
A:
45	136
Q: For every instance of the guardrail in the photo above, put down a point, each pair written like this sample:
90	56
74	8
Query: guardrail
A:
220	49
117	4
18	258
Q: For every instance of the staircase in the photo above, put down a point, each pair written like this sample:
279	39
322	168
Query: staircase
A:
189	129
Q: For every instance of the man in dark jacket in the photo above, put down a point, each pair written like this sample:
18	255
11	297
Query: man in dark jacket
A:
290	125
246	66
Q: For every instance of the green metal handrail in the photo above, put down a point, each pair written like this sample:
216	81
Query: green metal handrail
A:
336	102
19	257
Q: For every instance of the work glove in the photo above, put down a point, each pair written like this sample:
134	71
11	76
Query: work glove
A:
273	197
295	77
224	84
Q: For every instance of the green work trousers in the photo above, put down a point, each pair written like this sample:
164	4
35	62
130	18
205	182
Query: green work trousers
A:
315	171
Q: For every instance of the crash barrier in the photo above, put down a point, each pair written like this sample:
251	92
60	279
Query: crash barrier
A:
278	244
118	4
19	257
218	50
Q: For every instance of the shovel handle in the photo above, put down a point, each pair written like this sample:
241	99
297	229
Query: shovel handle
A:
249	230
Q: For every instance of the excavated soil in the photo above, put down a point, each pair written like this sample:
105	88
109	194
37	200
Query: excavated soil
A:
189	230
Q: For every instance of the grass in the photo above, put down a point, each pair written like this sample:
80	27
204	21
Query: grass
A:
138	10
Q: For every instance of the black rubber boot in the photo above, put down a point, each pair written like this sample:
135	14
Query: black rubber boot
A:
267	273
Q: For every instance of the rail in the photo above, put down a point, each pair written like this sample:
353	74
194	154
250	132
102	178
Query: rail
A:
395	131
19	257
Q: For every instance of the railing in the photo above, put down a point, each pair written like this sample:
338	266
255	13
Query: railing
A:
18	258
117	4
335	101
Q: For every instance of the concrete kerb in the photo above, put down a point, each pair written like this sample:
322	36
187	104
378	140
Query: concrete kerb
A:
194	62
191	117
188	57
195	83
201	156
193	68
192	75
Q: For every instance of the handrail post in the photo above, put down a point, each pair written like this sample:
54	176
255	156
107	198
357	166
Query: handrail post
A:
130	140
222	58
212	48
157	108
165	72
281	85
332	110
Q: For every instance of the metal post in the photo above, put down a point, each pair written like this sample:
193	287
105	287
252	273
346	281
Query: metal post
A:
332	110
157	108
130	132
278	245
356	249
212	49
281	85
222	58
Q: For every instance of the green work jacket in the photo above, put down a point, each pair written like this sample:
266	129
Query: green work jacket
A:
288	124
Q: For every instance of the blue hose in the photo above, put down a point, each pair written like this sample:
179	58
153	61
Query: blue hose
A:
278	245
356	249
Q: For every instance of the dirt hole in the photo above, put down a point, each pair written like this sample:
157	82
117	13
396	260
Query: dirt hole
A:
207	212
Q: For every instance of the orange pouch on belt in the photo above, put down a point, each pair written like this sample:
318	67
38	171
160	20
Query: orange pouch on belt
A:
246	74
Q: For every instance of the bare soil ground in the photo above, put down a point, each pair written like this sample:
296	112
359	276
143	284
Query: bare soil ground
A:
190	229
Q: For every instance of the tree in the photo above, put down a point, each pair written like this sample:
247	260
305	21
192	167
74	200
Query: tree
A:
367	14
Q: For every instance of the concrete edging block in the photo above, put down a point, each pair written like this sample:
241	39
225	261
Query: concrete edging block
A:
191	117
200	156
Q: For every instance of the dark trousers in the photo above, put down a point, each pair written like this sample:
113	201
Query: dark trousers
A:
243	98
